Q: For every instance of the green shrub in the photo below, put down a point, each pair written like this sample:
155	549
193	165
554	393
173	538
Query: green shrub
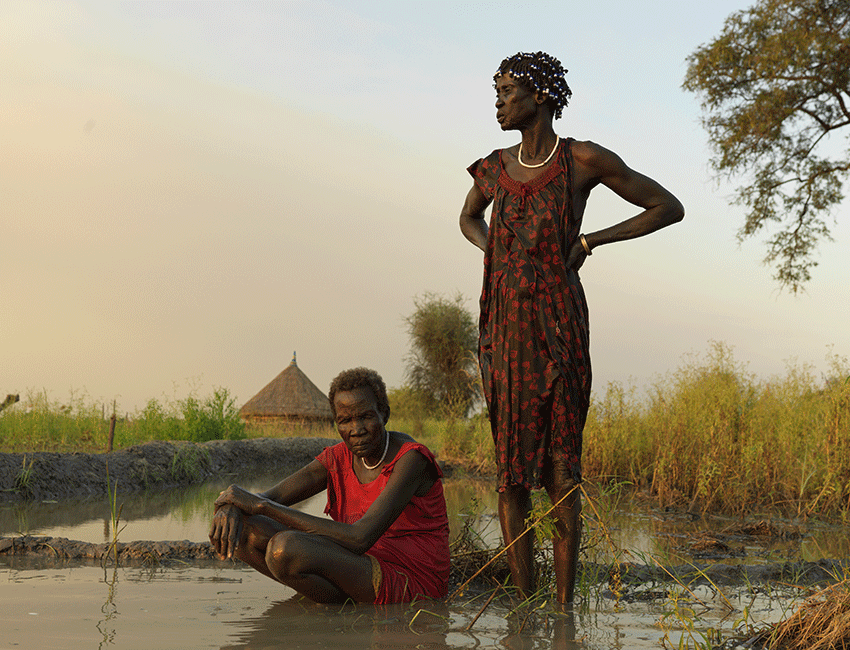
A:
155	423
216	418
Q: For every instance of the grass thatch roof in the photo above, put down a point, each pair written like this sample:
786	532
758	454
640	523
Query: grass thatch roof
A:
290	395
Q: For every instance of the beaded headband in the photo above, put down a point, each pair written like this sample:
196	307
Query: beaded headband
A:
540	72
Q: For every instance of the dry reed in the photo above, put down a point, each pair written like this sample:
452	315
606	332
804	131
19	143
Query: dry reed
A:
822	622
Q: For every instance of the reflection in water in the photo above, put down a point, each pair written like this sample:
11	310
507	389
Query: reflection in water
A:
556	630
297	622
289	623
192	607
185	515
106	626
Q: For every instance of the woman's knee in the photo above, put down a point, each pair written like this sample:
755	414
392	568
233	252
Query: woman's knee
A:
514	495
286	552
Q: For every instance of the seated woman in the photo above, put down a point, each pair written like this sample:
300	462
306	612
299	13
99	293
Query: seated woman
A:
388	541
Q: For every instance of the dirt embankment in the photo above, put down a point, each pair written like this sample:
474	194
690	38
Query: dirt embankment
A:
151	466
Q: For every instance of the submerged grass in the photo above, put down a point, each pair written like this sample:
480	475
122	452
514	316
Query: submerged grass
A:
115	511
694	612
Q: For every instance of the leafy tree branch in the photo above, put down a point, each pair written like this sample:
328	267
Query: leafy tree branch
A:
774	88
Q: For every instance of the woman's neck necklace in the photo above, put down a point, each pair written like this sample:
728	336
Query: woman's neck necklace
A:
548	158
386	448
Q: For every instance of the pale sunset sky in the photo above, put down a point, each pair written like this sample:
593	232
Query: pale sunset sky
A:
192	191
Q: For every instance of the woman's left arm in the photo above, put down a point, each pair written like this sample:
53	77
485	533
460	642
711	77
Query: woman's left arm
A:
660	207
409	473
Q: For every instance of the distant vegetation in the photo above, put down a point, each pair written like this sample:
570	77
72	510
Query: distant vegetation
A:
38	424
709	435
442	365
714	435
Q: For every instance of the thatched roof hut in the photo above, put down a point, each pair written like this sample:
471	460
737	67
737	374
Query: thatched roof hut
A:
289	398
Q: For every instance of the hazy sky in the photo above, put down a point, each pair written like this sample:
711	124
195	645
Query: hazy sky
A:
192	191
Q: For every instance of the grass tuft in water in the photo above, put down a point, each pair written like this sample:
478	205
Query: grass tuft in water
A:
115	511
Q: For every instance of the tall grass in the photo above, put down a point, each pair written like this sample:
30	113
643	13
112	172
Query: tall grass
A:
39	424
713	435
466	443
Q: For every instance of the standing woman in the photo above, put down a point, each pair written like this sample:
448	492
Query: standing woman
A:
534	337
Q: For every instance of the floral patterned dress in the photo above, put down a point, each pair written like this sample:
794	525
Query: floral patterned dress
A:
534	337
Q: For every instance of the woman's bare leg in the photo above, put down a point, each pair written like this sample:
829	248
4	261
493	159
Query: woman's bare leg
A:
319	569
257	531
312	565
568	539
514	507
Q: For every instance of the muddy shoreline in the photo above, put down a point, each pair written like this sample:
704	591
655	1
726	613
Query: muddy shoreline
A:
29	551
53	476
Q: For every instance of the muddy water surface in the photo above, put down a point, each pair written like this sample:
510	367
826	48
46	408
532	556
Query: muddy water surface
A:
185	515
221	605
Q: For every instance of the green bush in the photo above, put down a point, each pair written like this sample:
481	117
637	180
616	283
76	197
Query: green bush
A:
214	418
155	423
408	404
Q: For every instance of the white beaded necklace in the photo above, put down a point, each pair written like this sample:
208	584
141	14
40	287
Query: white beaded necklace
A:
386	448
548	158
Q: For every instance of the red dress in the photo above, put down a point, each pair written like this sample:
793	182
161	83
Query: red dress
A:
534	337
414	551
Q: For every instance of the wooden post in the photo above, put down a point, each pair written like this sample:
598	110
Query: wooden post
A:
111	432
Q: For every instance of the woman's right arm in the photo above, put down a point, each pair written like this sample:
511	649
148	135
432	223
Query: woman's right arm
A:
408	475
234	503
306	482
472	223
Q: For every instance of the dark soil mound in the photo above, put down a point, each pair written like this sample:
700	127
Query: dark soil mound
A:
56	549
150	466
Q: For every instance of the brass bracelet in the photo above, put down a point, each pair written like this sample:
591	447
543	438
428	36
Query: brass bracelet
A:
584	244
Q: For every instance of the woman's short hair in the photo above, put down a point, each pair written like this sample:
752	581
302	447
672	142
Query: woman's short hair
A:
539	72
354	378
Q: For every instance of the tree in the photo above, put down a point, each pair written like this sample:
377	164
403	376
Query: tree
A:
775	93
441	365
10	399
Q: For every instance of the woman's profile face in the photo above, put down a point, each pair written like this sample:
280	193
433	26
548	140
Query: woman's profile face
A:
515	105
359	422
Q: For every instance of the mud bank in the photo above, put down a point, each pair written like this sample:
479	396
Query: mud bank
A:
56	551
150	466
59	549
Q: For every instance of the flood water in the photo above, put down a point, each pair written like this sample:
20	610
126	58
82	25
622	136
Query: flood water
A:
221	605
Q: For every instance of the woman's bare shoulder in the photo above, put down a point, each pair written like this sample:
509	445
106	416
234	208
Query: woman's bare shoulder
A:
403	437
589	152
593	161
